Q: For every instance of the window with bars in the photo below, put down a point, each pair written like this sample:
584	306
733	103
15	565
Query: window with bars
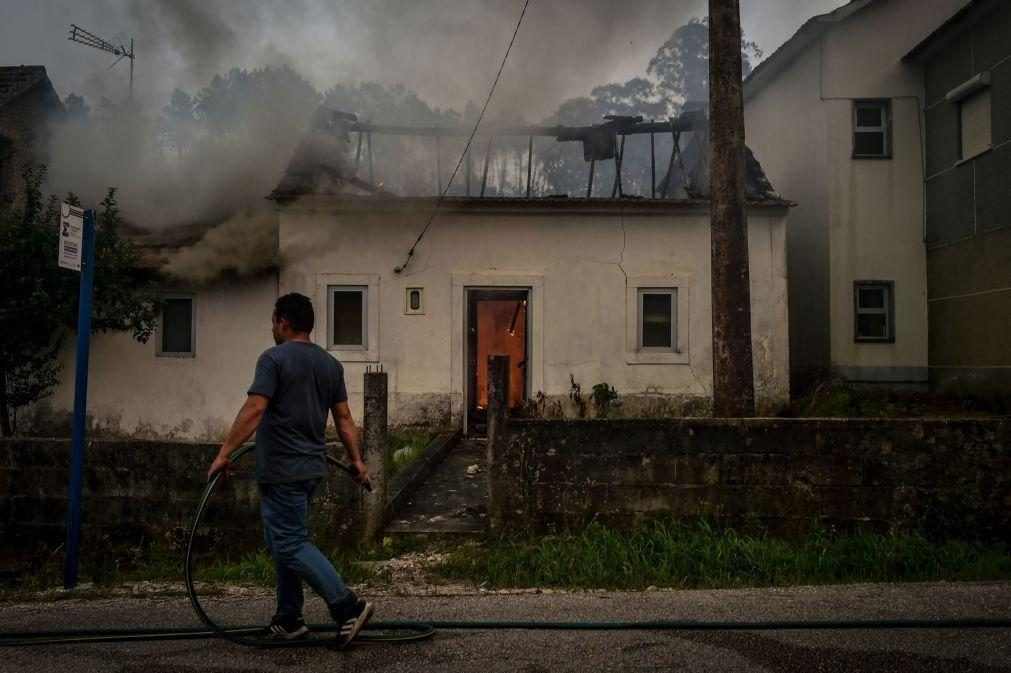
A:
872	129
874	311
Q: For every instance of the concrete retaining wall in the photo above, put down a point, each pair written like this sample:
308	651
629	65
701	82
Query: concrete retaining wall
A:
139	493
948	477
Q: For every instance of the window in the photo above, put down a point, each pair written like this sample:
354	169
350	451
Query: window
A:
177	327
657	319
974	123
872	122
414	301
874	311
348	314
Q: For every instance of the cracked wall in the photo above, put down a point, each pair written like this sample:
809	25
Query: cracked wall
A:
580	263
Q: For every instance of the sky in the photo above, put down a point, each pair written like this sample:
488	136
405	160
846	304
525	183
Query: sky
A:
446	50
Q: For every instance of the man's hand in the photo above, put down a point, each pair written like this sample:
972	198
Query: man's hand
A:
220	464
361	473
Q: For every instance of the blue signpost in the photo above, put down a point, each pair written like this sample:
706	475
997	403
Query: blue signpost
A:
87	260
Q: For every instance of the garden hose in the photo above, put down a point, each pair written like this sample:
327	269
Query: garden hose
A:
402	631
409	631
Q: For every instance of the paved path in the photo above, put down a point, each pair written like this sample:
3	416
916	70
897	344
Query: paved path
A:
965	651
451	500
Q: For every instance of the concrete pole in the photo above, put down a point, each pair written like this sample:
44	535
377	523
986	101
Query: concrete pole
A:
498	413
375	449
733	378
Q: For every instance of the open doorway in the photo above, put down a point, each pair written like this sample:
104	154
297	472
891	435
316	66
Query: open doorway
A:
497	324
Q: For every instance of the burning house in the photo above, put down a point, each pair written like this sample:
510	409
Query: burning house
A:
602	299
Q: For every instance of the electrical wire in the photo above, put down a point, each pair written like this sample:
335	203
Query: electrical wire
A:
449	183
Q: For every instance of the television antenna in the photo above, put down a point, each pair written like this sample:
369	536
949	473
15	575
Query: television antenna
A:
117	47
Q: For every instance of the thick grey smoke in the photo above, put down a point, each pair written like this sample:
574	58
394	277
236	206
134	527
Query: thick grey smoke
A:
241	246
446	50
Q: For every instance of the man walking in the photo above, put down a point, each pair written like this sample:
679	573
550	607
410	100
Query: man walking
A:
295	385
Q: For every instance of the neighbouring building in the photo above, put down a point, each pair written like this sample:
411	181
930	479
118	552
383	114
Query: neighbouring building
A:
835	115
966	66
580	292
28	103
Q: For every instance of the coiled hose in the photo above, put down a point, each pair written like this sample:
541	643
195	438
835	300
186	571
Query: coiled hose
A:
407	631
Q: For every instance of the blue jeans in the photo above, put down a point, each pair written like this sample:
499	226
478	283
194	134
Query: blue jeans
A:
284	508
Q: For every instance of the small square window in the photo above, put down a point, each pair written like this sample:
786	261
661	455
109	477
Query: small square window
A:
872	122
414	301
873	311
657	319
177	327
974	124
348	317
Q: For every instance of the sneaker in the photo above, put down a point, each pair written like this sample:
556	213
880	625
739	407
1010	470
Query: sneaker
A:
349	628
285	628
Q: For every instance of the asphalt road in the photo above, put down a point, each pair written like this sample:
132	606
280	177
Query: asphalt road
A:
965	651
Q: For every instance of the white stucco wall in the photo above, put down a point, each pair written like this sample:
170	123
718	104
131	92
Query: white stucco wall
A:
133	392
862	218
582	267
579	263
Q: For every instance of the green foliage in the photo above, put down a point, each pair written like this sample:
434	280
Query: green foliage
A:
681	64
39	305
405	444
565	171
678	72
602	396
178	122
243	99
699	555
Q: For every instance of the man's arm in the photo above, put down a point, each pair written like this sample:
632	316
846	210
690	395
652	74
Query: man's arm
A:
243	427
348	434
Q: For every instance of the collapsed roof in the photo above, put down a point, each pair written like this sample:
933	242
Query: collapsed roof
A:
321	162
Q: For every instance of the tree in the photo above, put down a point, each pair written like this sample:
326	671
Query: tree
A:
681	65
256	100
565	172
178	121
39	305
406	165
76	109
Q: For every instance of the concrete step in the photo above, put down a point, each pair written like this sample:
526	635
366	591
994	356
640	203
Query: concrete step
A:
453	500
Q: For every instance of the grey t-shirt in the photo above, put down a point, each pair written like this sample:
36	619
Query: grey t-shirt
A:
303	382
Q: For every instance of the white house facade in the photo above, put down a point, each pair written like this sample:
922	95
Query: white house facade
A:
835	116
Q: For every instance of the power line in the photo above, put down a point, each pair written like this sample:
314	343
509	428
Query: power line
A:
410	253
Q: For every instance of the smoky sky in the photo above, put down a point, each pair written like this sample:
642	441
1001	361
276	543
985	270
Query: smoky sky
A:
446	50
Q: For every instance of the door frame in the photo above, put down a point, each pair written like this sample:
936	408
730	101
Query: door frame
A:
534	285
471	375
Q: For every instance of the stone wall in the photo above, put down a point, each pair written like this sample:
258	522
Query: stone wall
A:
945	477
138	494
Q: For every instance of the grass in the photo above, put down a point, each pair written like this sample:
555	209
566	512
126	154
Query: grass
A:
258	570
690	556
159	565
668	554
410	442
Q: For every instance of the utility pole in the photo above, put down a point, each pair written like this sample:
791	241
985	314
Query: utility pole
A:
733	377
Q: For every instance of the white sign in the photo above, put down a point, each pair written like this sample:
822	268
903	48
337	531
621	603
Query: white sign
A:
71	236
